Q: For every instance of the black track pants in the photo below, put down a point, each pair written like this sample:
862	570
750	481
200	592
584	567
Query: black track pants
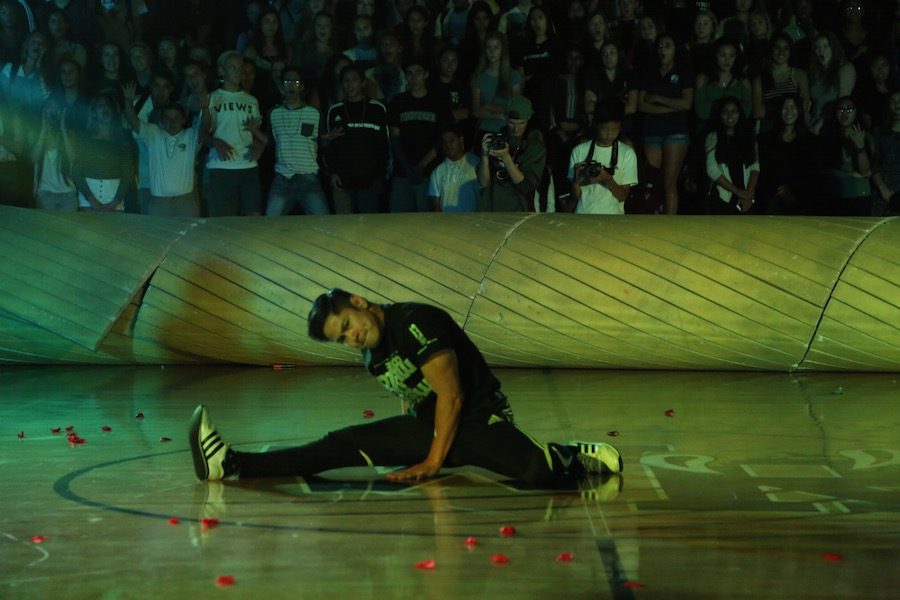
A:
405	440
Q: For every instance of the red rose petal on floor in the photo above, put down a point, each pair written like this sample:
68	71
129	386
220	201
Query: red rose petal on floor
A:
174	521
225	581
565	557
426	565
832	556
165	439
499	559
106	428
209	523
368	414
633	585
21	435
55	429
612	433
70	428
471	541
507	531
38	539
670	412
139	416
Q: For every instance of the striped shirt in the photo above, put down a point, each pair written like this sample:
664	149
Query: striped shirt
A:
296	132
785	87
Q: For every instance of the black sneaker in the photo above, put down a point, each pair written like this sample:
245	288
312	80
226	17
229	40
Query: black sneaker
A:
207	447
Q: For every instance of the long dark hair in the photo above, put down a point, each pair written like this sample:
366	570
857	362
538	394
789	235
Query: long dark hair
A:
740	147
551	27
258	37
737	69
800	125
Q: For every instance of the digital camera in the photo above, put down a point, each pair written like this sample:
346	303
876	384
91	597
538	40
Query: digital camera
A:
593	169
498	141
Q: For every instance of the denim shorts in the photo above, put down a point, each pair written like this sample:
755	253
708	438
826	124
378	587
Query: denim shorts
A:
658	141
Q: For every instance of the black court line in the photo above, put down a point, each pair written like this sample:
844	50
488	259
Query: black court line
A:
63	488
612	564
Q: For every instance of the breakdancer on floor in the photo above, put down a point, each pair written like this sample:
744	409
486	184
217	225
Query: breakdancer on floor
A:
454	412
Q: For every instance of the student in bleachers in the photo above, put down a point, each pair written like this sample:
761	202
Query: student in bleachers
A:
62	46
854	34
493	83
252	12
643	54
295	129
53	187
196	85
512	23
540	59
355	143
416	119
453	185
732	160
479	23
756	50
363	53
831	76
316	47
168	56
725	80
701	47
571	26
452	87
844	162
232	185
787	177
102	158
109	72
115	19
603	169
171	150
416	36
12	31
512	162
596	35
779	78
886	170
737	24
329	88
140	61
665	98
387	73
611	79
268	51
569	122
623	28
873	93
68	90
451	24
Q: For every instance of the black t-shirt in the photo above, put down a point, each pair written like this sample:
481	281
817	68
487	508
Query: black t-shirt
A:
420	121
360	156
413	333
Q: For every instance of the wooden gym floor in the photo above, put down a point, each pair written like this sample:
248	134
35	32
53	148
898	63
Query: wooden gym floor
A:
735	486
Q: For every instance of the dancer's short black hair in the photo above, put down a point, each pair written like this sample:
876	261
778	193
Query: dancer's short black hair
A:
330	303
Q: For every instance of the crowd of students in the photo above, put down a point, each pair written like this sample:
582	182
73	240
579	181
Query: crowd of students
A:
242	107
